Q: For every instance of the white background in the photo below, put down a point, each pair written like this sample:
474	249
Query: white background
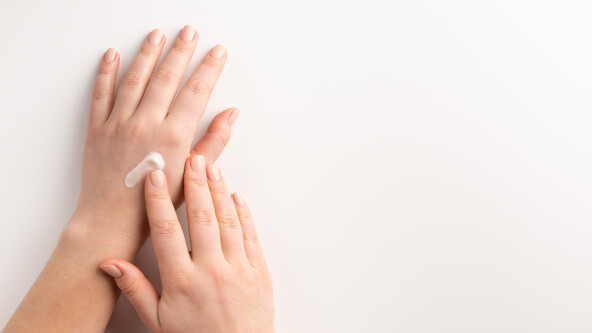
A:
413	166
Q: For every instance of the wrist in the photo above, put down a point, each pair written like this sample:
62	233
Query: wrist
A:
98	237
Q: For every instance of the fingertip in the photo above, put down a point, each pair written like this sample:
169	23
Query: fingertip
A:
233	116
157	179
110	56
112	270
197	163
188	33
218	135
115	267
224	121
155	37
218	51
213	172
238	199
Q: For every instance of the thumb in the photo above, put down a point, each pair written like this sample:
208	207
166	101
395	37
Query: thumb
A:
138	290
216	138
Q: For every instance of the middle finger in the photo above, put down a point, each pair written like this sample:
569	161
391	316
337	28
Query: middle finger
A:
166	79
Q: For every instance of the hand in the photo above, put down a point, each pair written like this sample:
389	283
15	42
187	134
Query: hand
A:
223	285
123	130
71	294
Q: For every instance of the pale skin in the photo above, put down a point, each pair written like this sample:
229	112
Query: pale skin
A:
223	285
72	294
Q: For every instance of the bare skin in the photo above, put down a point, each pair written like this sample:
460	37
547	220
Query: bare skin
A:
223	285
71	294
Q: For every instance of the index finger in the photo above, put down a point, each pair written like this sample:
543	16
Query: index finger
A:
167	236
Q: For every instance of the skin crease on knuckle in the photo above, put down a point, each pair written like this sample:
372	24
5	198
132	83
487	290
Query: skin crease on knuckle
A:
201	216
199	87
166	227
223	136
132	80
199	182
165	76
130	289
228	222
250	237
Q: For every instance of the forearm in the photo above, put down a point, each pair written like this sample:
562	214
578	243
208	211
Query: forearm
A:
72	293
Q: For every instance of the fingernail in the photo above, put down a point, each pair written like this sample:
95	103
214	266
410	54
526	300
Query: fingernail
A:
157	178
218	51
187	33
213	173
197	163
112	270
233	115
110	55
155	37
238	199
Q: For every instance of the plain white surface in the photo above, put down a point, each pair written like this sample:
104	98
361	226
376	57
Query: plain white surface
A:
413	166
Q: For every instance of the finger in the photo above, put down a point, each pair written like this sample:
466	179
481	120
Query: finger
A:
253	248
195	94
201	216
138	290
103	93
231	235
133	84
167	236
216	138
168	75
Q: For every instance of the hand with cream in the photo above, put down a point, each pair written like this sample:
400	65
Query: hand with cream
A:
72	294
124	129
223	284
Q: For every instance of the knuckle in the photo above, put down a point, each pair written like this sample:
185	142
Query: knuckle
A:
199	87
223	136
166	227
148	49
130	289
132	80
218	274
250	237
182	46
218	189
160	196
199	181
165	76
202	216
211	63
245	214
138	129
101	94
105	70
228	222
182	279
176	138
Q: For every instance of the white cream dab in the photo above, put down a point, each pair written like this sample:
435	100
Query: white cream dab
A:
152	161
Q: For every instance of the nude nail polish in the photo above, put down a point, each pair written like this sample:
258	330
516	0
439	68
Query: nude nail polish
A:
213	173
187	34
218	51
110	55
238	199
198	163
157	178
112	270
233	116
155	37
